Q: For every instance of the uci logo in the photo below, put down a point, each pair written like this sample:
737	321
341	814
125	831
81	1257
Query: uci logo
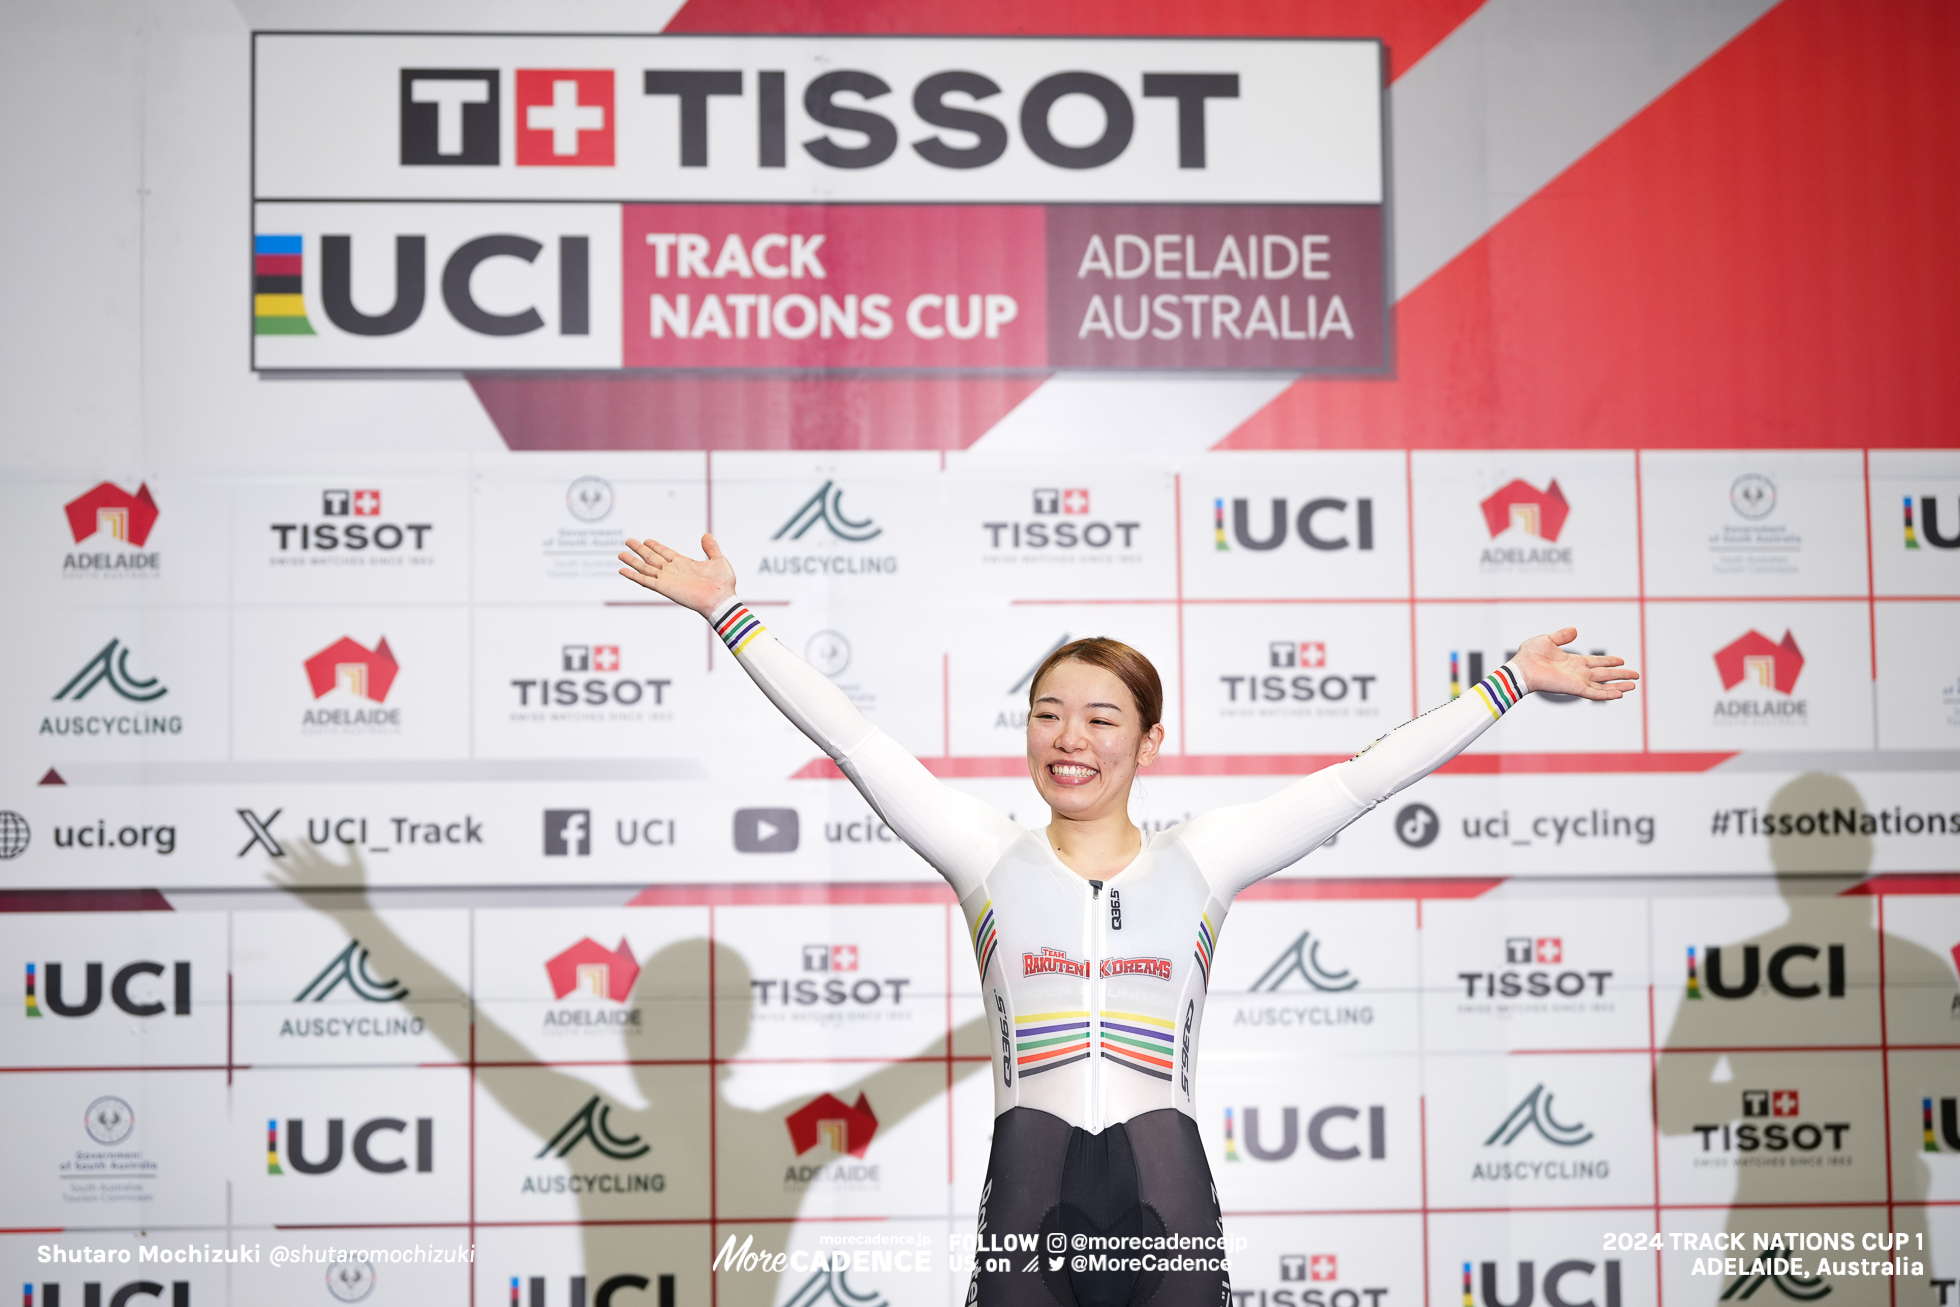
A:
1343	1144
137	999
1559	1285
495	254
366	1140
1708	972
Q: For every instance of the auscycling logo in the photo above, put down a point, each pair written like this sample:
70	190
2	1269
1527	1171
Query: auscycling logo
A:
592	1124
350	968
1534	1112
1301	959
110	667
826	508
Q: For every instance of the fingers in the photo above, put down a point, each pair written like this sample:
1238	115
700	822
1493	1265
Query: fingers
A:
640	578
1564	635
709	546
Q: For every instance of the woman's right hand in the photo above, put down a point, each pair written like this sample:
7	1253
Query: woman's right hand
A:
701	584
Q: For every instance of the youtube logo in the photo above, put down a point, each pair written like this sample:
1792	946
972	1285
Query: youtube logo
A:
766	830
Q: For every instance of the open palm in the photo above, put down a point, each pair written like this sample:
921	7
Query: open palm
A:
702	584
1545	666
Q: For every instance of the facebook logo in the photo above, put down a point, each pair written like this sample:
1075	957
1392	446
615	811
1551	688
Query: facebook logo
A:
567	832
450	116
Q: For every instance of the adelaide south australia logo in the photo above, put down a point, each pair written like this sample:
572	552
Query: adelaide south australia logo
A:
600	983
357	674
1524	524
119	524
1759	681
109	670
825	1123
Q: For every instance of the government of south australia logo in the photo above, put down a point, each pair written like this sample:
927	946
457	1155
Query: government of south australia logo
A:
827	506
350	968
1301	958
1534	1112
109	1120
593	1123
111	666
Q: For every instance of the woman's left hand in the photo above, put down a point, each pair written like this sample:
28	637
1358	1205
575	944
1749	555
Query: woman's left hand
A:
1546	666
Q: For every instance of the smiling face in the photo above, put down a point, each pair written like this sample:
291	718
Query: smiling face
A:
1086	741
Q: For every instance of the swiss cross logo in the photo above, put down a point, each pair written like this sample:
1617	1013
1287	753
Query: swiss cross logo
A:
1075	501
605	657
1549	949
367	503
1313	653
564	117
1783	1103
1049	501
1323	1267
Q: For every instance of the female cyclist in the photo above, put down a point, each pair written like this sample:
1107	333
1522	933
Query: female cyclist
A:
1094	940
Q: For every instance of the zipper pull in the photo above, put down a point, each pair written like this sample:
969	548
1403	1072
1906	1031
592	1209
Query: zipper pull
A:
1095	889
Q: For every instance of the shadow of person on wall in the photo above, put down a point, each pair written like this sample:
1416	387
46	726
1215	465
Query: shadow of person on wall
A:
547	1101
1821	1112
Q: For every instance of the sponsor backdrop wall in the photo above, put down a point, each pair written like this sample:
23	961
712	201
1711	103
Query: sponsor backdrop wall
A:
387	874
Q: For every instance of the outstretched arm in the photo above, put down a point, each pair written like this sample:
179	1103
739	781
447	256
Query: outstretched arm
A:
959	835
1236	846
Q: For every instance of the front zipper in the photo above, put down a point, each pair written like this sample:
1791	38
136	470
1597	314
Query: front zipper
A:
1094	1114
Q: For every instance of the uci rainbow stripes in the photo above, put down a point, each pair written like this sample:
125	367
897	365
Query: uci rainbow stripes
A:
738	628
1206	946
1047	1040
1500	691
1138	1042
985	939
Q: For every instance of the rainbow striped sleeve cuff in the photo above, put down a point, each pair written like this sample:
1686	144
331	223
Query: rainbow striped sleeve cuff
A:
736	626
1500	691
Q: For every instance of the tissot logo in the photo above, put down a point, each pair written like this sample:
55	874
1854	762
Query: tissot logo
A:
1320	1267
114	512
826	506
1791	971
564	117
1331	1133
1534	1113
379	1146
352	542
590	678
1301	960
1038	534
846	989
830	957
1351	689
567	832
450	116
1325	524
826	1120
1928	529
350	968
137	989
593	1124
588	969
1558	1286
1534	969
1801	1137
